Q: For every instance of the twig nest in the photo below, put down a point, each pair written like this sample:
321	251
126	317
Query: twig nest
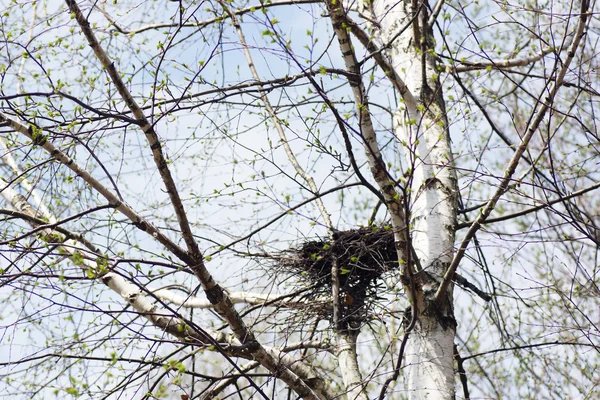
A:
363	256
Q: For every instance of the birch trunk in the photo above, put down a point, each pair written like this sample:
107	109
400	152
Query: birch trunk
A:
422	133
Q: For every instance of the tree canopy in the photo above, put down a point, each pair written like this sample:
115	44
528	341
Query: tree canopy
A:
299	199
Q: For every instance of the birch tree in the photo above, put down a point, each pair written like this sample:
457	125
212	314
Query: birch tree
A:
299	199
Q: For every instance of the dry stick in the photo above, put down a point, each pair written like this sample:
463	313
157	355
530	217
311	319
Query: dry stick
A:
516	157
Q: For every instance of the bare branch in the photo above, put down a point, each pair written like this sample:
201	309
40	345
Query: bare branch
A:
208	22
274	300
507	63
163	319
216	295
145	125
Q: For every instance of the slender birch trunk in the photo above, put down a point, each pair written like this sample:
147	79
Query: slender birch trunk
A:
422	132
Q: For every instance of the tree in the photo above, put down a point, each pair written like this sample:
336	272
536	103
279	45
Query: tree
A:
279	199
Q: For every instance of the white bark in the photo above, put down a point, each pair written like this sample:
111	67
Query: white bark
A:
423	138
348	362
9	160
274	300
346	338
429	349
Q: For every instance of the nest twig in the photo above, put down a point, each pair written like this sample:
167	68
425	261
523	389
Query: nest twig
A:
363	256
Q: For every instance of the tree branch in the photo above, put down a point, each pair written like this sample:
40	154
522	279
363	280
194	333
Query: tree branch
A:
504	63
512	166
216	295
147	128
190	301
202	24
462	374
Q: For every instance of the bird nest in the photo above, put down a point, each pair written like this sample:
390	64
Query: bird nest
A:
363	256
